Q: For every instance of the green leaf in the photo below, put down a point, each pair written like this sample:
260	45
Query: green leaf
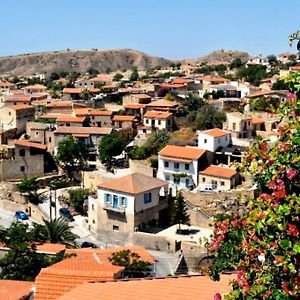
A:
296	248
285	244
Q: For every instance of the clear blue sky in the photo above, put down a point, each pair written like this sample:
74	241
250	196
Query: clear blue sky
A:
173	29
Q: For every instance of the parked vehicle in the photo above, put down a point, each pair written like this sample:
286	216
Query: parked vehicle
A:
65	214
88	245
21	215
208	188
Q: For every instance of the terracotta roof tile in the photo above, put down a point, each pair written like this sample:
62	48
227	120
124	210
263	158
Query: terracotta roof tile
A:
216	132
92	112
83	130
157	115
70	119
173	86
133	184
182	81
182	152
50	248
217	171
175	288
79	90
162	103
18	99
123	118
134	106
15	290
35	87
26	143
21	107
267	93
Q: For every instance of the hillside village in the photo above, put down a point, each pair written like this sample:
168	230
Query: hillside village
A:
145	140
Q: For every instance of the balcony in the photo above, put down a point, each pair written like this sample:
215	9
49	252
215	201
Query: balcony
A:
109	207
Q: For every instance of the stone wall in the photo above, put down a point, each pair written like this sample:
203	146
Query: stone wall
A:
139	166
193	253
154	242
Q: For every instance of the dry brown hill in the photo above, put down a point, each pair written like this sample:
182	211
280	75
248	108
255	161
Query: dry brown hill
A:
79	61
219	55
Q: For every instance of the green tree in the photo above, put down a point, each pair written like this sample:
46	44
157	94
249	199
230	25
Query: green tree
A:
54	76
118	77
169	97
76	198
139	152
93	72
134	75
280	85
209	117
252	74
56	231
263	243
272	59
110	145
157	140
22	262
29	186
71	154
181	215
191	103
134	266
85	94
237	63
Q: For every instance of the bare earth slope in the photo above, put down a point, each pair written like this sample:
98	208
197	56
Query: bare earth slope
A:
79	61
220	55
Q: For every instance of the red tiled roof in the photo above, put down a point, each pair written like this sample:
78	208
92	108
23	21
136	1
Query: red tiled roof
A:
35	87
83	130
173	288
133	184
70	119
266	93
15	289
92	112
173	86
134	106
26	143
50	248
162	103
182	81
217	171
157	115
141	96
295	68
213	79
18	99
21	106
216	132
79	90
188	153
123	118
256	120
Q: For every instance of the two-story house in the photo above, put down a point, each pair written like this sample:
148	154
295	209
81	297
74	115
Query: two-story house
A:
213	139
158	119
125	204
180	165
97	117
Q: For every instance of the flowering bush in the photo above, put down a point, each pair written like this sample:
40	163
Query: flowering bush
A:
263	246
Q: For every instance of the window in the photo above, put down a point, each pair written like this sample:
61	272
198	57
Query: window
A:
146	121
233	126
50	139
166	164
22	152
219	140
22	168
94	222
222	183
159	122
124	201
167	177
107	198
93	207
205	141
203	179
187	182
36	133
9	113
176	180
68	124
115	201
187	166
226	138
115	228
147	198
176	165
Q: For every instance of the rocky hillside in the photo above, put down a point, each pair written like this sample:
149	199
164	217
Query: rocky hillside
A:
79	61
220	55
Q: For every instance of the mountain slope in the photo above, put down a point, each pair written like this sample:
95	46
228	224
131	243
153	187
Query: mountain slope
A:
79	61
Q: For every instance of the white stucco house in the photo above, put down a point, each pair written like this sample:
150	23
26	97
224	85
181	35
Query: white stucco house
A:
213	139
158	119
179	165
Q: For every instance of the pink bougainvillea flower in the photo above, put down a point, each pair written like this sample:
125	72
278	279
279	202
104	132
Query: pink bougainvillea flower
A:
217	296
293	230
291	174
293	114
234	223
272	184
291	96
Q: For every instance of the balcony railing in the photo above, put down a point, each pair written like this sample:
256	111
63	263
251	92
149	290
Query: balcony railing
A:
120	209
